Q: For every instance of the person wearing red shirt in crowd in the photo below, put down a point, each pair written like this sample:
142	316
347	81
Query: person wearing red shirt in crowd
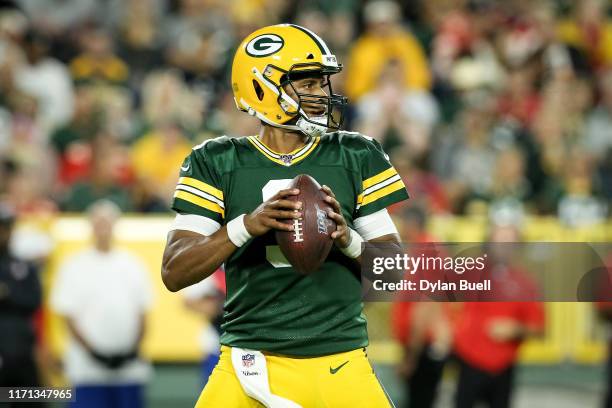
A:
488	335
422	328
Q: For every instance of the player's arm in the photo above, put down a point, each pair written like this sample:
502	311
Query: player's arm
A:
375	228
190	257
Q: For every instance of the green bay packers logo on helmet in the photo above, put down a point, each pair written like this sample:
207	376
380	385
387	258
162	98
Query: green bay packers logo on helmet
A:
264	45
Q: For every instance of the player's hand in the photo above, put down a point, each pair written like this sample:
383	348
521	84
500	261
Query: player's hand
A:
267	215
341	235
504	329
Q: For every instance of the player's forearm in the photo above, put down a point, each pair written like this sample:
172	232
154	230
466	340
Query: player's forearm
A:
190	258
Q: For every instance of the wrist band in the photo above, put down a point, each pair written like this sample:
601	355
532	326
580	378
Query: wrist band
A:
237	232
353	250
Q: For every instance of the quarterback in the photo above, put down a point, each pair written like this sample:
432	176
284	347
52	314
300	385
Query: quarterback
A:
289	340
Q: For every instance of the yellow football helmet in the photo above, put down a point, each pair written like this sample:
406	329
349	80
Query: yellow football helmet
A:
273	57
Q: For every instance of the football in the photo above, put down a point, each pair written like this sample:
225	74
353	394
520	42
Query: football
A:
307	246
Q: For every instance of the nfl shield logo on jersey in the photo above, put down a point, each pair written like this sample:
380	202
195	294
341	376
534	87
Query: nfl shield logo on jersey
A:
286	158
248	360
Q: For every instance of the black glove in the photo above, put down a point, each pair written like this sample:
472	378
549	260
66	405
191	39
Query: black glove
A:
114	361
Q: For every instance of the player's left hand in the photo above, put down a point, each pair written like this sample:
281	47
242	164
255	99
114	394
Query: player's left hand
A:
341	235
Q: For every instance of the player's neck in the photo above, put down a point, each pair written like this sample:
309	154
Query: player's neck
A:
281	140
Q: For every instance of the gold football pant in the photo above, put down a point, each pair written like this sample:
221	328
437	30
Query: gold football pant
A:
343	380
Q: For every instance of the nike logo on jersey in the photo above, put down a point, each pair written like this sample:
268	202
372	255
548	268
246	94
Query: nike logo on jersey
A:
335	370
186	167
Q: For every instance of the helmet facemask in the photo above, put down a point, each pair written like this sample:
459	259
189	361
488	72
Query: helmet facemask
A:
332	105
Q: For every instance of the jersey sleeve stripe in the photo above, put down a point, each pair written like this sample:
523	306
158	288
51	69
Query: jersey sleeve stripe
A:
201	194
383	192
380	185
379	177
200	185
199	201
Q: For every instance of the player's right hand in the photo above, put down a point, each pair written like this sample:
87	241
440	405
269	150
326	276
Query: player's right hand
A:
267	215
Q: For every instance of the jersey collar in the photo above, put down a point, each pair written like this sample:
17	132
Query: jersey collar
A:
285	159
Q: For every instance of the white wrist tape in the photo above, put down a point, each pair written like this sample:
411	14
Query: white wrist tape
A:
353	250
237	232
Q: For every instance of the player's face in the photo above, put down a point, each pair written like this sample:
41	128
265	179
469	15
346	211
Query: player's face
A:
315	86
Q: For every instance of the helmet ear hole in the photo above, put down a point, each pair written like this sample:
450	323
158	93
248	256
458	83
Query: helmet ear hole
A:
310	56
258	90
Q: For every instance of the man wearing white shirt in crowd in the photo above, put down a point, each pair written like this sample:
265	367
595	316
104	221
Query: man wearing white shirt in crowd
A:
104	293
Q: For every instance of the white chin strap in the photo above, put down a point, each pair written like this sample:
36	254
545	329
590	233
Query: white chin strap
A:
304	124
313	129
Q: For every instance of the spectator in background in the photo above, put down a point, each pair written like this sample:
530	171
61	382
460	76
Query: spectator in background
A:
598	132
104	293
61	21
519	100
422	328
205	298
155	158
589	30
463	51
167	98
580	203
558	127
199	39
488	334
384	40
604	173
20	299
27	195
225	119
56	18
98	62
509	177
103	182
72	141
465	157
138	25
47	80
392	109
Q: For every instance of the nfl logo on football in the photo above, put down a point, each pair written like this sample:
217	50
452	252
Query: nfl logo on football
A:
248	360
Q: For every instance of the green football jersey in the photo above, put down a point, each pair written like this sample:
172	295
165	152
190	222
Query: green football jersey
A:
269	306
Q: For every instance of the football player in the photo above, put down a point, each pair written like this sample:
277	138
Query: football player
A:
289	340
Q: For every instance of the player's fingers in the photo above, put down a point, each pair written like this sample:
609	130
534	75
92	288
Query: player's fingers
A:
272	223
334	203
342	230
328	190
340	222
285	193
283	214
285	204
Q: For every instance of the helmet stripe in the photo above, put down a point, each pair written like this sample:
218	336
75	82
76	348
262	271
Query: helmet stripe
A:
320	43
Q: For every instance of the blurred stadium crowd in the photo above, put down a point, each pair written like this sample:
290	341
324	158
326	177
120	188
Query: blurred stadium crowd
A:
477	101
